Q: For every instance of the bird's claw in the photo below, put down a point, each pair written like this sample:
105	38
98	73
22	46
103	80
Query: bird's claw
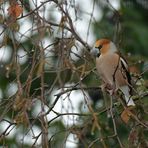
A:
111	89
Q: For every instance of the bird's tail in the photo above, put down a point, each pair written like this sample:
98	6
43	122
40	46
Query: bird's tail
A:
126	91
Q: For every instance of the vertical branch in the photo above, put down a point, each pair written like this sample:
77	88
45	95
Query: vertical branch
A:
30	75
40	73
18	69
118	26
72	28
44	123
114	123
91	16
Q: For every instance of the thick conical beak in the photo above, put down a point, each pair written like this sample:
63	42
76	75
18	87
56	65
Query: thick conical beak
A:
95	52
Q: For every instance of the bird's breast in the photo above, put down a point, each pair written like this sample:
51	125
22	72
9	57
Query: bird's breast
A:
107	63
106	66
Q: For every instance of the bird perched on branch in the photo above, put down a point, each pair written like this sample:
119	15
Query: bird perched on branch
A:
113	69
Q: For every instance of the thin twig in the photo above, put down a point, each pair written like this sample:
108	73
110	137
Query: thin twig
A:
114	123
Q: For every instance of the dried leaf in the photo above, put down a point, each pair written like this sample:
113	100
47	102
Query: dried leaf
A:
14	26
133	137
22	118
1	1
63	21
126	115
40	68
15	10
4	41
1	19
21	103
8	69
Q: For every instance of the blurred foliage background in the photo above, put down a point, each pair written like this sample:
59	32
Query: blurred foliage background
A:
47	68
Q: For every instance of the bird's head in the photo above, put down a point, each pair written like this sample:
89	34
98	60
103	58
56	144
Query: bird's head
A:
103	46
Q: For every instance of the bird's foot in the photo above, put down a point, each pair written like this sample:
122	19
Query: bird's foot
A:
111	89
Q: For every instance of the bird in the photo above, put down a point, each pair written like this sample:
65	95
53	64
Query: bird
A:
112	69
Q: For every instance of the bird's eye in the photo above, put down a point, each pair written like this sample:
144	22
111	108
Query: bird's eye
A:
99	47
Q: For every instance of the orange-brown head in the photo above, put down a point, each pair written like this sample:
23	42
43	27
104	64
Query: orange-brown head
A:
103	46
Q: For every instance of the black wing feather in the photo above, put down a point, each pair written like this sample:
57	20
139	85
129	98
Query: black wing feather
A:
128	76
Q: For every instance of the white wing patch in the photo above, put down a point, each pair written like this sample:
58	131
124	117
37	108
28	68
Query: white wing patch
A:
124	63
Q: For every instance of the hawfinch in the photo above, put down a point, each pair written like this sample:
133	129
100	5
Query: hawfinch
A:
113	69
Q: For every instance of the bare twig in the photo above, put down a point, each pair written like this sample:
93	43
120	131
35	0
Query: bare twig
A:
114	123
